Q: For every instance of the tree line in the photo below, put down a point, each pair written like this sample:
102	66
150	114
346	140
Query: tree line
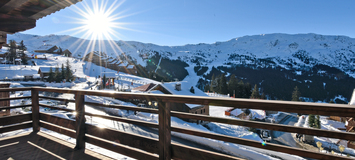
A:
234	87
12	52
60	75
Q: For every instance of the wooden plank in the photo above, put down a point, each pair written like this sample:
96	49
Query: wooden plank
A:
11	107
130	121
11	5
121	149
15	89
8	120
57	108
56	128
14	98
286	106
137	141
182	152
80	121
270	126
164	131
148	110
67	123
58	99
15	127
35	110
257	144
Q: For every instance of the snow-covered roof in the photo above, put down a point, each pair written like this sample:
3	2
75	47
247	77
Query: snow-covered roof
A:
185	90
47	69
236	112
144	88
123	65
109	74
18	59
130	66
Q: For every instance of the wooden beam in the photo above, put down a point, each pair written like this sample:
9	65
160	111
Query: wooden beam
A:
54	8
257	144
58	129
14	98
126	120
67	123
9	120
80	121
11	5
182	152
58	99
12	24
57	108
148	110
121	149
15	89
133	140
269	126
286	106
15	127
164	131
35	110
12	107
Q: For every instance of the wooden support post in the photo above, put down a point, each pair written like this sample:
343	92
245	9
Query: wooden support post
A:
80	121
35	110
164	131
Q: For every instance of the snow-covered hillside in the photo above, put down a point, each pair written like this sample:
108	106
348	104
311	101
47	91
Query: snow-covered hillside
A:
303	55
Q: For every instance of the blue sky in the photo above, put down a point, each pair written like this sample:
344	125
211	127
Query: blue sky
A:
179	22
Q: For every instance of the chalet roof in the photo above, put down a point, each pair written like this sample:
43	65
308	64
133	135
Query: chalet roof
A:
21	15
145	88
47	69
185	90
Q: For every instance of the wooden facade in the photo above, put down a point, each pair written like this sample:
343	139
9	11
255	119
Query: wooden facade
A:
4	112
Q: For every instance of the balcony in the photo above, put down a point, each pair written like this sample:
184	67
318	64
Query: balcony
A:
140	147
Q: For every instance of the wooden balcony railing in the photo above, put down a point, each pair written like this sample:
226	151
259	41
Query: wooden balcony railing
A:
140	147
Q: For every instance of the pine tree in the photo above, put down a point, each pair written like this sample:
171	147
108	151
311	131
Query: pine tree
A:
212	86
60	51
223	88
296	94
317	122
207	88
240	90
263	96
311	120
255	94
63	72
51	75
57	75
68	72
192	90
12	51
232	85
247	90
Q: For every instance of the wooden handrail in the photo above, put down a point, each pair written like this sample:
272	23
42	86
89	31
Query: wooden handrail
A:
20	106
163	146
14	98
273	105
15	89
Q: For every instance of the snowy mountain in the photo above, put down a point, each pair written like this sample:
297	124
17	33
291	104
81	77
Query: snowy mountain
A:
321	66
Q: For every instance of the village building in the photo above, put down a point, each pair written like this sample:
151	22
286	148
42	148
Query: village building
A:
176	88
44	71
67	53
5	103
110	79
47	49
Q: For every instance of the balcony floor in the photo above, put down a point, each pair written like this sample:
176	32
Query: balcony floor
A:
42	146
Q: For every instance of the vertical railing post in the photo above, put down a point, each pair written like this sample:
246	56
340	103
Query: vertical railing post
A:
35	110
80	121
164	131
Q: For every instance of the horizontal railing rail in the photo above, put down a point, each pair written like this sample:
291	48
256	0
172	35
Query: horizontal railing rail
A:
137	146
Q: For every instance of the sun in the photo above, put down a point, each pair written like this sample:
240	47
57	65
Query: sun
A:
98	24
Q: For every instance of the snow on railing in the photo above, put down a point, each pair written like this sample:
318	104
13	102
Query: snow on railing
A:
217	95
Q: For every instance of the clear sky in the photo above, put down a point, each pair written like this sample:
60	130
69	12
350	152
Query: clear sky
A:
179	22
